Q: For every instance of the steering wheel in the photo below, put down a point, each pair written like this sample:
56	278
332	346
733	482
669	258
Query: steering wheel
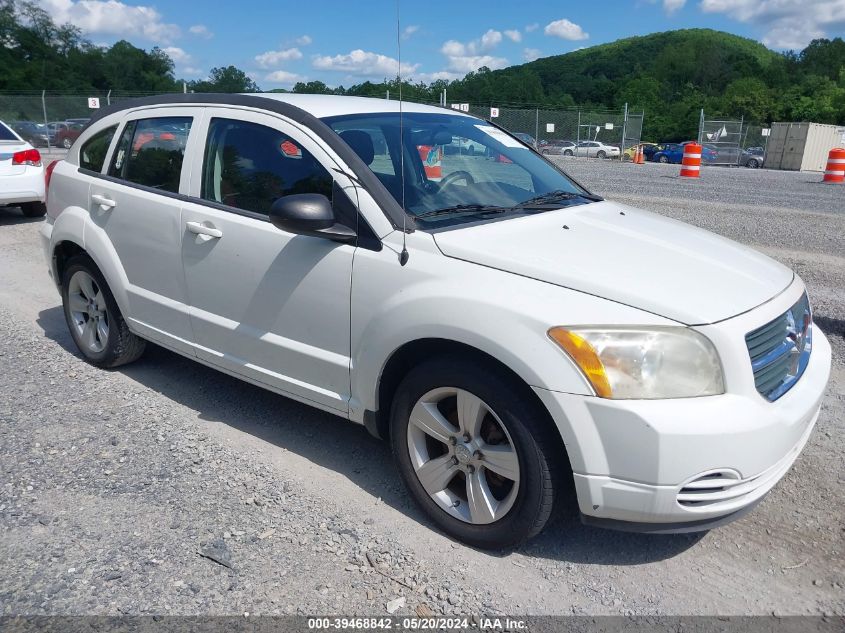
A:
452	178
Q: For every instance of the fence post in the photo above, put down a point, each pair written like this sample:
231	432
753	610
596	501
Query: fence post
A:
44	110
108	97
701	127
537	128
578	132
624	128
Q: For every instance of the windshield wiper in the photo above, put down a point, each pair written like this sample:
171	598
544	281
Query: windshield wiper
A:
462	208
556	196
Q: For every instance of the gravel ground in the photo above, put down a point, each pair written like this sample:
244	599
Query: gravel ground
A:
165	487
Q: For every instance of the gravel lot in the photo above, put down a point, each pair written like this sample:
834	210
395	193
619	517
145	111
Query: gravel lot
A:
167	488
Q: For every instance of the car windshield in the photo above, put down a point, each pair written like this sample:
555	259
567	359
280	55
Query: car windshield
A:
456	167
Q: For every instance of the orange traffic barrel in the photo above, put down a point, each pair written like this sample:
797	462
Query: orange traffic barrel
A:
691	162
432	161
835	170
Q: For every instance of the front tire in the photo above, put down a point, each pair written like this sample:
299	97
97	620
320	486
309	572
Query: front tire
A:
663	159
93	318
601	154
34	209
475	452
753	163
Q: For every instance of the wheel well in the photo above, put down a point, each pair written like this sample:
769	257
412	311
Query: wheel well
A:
415	352
63	252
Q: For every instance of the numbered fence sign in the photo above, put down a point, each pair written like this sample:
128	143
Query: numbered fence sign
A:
93	102
494	113
550	128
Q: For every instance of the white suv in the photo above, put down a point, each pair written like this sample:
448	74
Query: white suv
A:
512	335
21	174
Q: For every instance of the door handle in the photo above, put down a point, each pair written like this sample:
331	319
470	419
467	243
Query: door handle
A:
201	229
105	203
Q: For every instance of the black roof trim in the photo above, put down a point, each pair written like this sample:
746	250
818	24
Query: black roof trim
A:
361	171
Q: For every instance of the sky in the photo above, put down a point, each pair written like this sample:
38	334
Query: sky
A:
281	42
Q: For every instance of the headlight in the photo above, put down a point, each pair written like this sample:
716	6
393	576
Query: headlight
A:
643	363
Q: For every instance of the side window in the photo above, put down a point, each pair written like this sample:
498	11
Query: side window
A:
93	153
150	152
250	166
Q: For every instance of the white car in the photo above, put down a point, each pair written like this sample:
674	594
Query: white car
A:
513	336
595	149
21	174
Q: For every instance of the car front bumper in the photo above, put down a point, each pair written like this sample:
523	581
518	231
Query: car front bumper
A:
633	459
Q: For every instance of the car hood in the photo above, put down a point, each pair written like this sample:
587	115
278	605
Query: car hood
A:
626	255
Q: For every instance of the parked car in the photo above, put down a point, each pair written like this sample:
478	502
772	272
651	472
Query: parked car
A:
753	157
66	136
674	153
596	149
648	148
557	148
33	133
53	130
21	174
508	332
81	121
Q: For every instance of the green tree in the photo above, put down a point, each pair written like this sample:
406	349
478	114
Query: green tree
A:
226	79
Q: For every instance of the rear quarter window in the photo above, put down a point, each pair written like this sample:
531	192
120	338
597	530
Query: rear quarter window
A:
6	134
93	153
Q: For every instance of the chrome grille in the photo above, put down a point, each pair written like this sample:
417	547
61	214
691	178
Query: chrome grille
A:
780	350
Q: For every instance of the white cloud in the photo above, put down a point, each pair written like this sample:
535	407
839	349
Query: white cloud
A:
671	6
787	23
408	31
530	54
178	55
464	57
532	27
269	59
565	30
283	77
303	40
113	18
201	30
441	74
363	63
190	71
513	35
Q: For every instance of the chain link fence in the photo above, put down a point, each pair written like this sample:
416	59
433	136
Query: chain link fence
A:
43	119
732	142
557	128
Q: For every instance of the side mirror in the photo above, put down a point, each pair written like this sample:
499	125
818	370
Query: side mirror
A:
309	214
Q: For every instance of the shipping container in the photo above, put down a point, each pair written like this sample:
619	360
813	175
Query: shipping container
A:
802	146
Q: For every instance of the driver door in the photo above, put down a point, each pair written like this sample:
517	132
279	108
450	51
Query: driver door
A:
267	305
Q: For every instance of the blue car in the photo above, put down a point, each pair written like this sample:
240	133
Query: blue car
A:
674	152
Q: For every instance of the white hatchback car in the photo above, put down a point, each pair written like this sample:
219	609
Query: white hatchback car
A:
514	336
21	174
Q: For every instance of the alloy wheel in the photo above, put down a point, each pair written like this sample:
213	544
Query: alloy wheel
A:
463	455
87	307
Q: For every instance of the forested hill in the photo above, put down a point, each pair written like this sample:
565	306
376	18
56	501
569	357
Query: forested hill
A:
672	75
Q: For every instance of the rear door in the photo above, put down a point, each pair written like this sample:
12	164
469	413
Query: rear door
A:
137	204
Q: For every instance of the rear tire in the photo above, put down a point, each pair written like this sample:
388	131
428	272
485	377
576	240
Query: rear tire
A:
515	496
34	209
66	143
93	318
568	152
